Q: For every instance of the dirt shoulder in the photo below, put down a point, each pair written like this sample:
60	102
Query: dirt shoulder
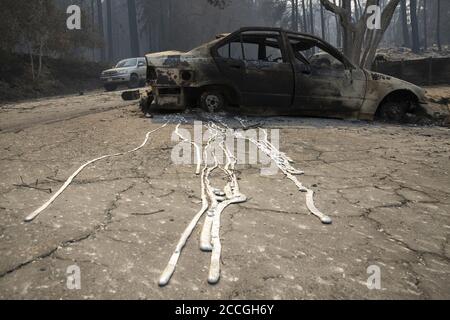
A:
385	186
57	77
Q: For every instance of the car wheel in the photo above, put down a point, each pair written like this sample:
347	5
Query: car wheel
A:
212	101
134	81
393	111
110	87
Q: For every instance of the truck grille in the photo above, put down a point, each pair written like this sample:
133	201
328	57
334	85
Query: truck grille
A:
110	73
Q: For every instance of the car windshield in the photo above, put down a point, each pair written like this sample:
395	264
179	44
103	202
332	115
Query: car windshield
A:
127	63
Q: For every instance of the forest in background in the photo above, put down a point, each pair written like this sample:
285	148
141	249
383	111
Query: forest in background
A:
35	32
182	25
115	29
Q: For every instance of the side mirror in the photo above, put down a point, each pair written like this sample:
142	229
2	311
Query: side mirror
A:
141	64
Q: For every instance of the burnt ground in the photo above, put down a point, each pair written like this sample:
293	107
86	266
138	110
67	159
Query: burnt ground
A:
386	186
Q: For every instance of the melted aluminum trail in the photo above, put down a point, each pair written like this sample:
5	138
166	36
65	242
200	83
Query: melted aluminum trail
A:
35	213
170	269
213	200
233	196
196	146
283	162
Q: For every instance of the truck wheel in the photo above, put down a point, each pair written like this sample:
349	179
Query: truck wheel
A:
212	101
110	87
134	81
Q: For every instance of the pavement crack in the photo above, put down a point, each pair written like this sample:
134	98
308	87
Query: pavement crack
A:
147	213
45	254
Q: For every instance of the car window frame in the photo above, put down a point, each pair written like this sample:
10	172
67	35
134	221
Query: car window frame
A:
143	60
117	65
238	35
323	46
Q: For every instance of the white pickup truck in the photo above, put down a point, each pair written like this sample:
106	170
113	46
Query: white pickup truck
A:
132	72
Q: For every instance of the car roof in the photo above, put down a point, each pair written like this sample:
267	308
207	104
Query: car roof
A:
278	29
290	32
223	36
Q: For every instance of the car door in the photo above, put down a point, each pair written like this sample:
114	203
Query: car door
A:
256	64
268	76
325	83
229	59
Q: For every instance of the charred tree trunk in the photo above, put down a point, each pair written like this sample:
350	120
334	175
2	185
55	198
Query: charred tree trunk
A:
101	30
414	26
109	28
405	31
346	32
360	42
134	35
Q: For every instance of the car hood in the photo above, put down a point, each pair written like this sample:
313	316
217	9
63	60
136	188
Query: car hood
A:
115	70
397	84
180	59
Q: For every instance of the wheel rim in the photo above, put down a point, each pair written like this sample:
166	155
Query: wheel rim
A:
212	102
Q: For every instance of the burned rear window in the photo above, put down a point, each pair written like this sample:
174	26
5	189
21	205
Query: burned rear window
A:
254	47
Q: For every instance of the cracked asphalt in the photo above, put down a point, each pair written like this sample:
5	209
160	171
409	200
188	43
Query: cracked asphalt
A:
386	187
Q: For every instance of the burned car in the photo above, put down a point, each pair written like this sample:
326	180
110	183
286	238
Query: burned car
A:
267	71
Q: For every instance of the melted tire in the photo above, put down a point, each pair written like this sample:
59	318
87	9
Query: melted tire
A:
213	101
393	111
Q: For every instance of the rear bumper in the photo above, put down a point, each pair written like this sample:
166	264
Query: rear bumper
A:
170	98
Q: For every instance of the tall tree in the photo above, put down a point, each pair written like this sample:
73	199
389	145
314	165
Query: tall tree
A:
311	16
357	13
322	22
414	26
305	24
438	26
425	22
360	42
347	36
338	27
110	30
93	24
404	21
134	35
101	29
294	24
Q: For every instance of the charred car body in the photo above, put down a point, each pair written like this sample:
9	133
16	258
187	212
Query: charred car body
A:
273	71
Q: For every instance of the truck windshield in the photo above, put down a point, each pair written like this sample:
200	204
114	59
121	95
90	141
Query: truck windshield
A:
127	63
